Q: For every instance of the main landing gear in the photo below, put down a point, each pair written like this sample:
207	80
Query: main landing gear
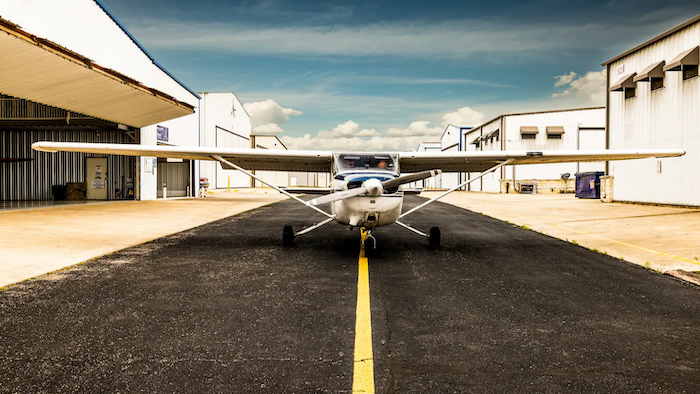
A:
433	235
367	240
288	236
288	233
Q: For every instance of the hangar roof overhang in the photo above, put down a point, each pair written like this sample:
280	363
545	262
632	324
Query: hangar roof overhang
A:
37	69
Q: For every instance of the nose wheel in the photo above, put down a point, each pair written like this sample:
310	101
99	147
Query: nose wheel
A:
367	240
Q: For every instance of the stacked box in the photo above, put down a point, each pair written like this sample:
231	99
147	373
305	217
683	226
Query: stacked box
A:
76	191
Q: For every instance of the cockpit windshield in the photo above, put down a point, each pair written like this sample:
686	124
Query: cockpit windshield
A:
350	161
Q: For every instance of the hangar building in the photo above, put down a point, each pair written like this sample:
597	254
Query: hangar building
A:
224	124
453	139
581	128
653	101
71	72
429	183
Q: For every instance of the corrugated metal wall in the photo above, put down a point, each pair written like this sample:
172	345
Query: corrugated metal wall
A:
667	118
176	176
32	180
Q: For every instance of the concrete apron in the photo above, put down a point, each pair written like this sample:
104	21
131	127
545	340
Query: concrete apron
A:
664	239
37	241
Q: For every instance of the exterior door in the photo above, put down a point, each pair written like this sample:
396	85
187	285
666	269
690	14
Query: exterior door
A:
96	178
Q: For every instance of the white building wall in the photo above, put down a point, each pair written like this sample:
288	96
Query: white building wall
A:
583	129
429	183
591	137
450	143
224	123
277	178
665	118
490	182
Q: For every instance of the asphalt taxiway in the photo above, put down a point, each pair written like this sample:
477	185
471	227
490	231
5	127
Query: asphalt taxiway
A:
224	307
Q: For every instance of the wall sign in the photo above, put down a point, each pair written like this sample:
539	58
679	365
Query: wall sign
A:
618	70
149	164
162	134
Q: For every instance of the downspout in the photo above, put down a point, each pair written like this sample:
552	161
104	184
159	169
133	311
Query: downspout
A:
503	147
252	146
461	137
607	116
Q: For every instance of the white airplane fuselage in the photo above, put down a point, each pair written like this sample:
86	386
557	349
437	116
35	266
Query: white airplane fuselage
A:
367	211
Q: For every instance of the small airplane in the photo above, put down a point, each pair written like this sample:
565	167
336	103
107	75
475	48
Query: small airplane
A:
367	190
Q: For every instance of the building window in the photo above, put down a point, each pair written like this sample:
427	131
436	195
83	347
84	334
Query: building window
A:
686	63
529	132
555	132
690	71
656	83
630	93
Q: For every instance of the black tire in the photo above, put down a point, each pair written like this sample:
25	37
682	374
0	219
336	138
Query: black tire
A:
288	236
434	239
369	247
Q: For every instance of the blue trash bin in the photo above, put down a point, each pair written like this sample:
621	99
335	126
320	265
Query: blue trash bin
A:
588	184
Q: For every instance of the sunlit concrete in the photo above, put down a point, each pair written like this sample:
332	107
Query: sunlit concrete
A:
37	241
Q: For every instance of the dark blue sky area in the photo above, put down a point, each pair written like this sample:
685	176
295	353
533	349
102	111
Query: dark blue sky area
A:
386	64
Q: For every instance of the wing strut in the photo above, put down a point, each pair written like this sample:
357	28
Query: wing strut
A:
222	160
490	170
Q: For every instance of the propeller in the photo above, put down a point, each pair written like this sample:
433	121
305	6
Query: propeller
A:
373	187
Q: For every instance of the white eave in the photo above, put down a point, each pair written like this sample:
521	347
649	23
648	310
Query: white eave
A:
39	70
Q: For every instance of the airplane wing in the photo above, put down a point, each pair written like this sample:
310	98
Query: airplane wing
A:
250	159
480	161
320	161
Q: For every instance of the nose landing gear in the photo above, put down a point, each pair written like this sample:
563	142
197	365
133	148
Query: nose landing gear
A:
367	240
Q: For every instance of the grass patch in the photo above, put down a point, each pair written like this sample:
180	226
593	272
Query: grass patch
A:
647	265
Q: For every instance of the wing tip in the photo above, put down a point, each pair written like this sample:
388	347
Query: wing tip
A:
43	146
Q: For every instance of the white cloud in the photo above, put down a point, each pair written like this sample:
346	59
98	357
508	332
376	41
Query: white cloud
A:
266	116
349	137
464	116
590	87
417	128
467	38
268	128
345	130
564	79
353	144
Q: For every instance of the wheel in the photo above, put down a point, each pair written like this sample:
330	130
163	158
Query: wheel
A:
369	246
288	236
434	239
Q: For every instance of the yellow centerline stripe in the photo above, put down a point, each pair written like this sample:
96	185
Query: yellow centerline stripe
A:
363	370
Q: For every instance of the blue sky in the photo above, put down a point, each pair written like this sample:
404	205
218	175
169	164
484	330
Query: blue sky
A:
389	74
